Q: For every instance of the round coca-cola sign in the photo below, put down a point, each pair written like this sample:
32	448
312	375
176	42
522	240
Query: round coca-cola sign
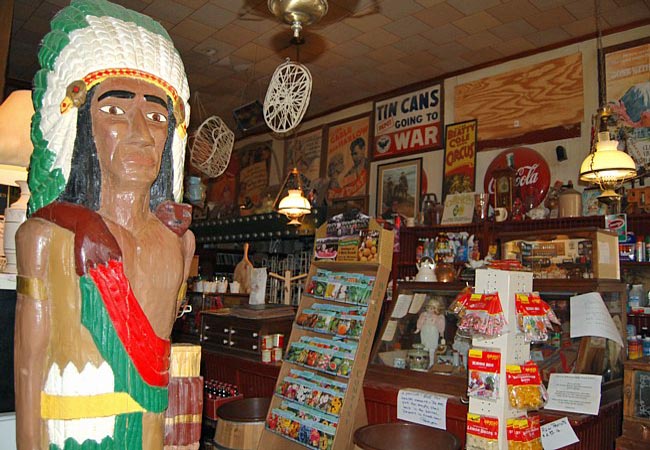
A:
533	176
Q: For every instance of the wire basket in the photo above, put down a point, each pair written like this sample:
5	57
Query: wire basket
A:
287	97
212	147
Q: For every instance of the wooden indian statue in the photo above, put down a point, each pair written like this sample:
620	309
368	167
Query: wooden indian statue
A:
105	253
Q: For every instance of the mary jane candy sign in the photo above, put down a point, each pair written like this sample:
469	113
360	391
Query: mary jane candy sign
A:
409	123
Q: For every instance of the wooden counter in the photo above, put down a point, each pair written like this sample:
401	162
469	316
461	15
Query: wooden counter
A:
256	379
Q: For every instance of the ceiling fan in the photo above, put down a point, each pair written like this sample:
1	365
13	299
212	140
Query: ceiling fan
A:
254	10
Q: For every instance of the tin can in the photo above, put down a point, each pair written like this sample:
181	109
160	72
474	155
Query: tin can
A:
276	354
267	342
266	356
278	340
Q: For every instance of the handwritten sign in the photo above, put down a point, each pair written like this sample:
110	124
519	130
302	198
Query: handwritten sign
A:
422	407
558	434
408	123
389	332
418	301
402	305
574	393
590	317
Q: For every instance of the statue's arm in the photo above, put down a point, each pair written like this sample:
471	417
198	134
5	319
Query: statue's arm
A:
188	247
32	330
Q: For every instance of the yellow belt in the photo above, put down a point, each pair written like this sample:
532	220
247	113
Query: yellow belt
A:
60	407
184	418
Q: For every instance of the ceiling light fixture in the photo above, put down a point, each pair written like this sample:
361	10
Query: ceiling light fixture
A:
605	165
294	205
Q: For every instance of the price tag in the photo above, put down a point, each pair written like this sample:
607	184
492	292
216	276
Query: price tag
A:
558	434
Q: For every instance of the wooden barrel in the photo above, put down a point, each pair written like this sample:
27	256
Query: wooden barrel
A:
403	436
240	423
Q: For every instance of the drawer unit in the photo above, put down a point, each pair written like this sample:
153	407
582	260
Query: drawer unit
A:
239	335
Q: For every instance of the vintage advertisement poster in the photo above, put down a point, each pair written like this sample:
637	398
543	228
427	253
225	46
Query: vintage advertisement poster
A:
409	123
347	159
460	158
221	195
304	152
254	163
628	92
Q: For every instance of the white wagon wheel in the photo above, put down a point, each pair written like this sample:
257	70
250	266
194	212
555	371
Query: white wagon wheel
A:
212	147
287	98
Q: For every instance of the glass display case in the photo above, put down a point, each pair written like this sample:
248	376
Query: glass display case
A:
408	324
576	253
418	336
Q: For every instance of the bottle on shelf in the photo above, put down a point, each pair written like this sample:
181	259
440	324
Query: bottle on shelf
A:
632	347
635	298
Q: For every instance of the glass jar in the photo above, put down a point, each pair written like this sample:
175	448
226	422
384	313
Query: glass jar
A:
418	358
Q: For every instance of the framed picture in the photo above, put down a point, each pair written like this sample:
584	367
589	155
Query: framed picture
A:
398	188
249	117
347	158
339	206
627	90
254	163
460	158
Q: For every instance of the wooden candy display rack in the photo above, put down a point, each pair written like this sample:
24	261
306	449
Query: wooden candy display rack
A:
353	412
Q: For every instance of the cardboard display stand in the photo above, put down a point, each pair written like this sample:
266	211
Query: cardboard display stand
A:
353	412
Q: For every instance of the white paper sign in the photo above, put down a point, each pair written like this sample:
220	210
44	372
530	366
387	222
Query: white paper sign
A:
558	434
418	301
590	317
401	306
425	408
389	331
572	392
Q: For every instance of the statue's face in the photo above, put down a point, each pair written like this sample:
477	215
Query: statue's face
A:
130	129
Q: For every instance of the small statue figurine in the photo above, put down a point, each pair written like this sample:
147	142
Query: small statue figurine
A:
518	210
431	325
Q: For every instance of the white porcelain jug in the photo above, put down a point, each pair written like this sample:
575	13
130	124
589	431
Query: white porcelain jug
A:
426	270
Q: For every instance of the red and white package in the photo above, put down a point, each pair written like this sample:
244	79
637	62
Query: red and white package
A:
482	432
483	316
525	388
534	317
484	370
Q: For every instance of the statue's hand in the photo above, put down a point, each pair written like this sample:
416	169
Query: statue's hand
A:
175	216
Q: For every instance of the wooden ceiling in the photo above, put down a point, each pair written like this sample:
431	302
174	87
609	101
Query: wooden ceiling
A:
362	48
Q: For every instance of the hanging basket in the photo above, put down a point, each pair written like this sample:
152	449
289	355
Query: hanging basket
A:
212	146
287	98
